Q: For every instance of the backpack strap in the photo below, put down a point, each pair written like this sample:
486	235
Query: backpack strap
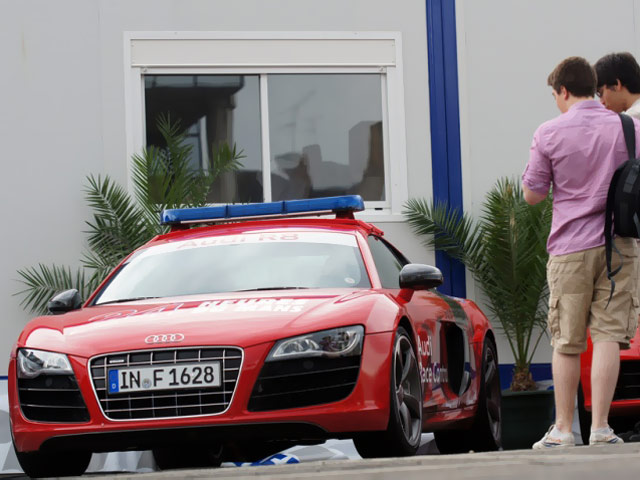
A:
629	131
608	231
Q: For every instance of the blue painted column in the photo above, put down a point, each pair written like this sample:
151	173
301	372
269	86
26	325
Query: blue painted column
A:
445	126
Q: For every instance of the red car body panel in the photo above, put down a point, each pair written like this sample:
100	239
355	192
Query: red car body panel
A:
619	407
248	321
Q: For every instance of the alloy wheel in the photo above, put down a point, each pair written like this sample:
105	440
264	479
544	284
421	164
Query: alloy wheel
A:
492	391
407	390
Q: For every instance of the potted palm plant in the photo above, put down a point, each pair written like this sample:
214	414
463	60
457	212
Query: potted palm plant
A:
505	252
162	178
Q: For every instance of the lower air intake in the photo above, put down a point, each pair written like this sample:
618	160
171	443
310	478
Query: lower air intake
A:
304	382
52	398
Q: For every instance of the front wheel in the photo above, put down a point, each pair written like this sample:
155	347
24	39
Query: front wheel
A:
53	464
403	433
486	431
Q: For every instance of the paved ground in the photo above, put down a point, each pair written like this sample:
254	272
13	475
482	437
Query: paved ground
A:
577	463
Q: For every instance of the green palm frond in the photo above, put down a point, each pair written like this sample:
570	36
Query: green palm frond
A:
443	228
43	282
165	178
148	183
116	228
505	251
225	158
98	265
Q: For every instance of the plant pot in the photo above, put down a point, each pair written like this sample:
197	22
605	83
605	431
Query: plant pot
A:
526	417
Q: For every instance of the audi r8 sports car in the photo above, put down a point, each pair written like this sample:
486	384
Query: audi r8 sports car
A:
248	329
624	414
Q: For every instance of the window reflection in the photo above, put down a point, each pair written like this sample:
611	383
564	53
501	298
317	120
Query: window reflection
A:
325	131
326	136
213	109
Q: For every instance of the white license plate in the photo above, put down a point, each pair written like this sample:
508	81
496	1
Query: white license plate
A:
167	377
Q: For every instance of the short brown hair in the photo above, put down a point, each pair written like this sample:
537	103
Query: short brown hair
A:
576	75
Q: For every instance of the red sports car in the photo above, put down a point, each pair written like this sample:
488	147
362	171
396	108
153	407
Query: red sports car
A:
250	332
624	414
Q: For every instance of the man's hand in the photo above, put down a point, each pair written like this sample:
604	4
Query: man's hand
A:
532	197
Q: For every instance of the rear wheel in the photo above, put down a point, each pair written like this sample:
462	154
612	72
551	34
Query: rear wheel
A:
53	464
402	436
190	456
485	433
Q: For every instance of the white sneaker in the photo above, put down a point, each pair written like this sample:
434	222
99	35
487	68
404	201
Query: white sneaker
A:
604	436
554	438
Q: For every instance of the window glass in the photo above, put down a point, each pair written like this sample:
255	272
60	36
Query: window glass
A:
229	263
325	131
325	134
214	110
388	262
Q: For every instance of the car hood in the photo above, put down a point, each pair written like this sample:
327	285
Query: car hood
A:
231	320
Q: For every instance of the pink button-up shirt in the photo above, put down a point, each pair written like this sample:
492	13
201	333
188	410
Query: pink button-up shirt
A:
577	153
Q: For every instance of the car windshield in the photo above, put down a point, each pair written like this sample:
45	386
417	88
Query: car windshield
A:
231	263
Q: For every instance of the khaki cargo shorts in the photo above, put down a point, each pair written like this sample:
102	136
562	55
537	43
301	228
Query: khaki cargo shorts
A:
579	291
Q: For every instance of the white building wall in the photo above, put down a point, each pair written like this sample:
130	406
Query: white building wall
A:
506	51
63	97
51	135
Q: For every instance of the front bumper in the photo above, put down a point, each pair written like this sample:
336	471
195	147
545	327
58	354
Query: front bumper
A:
365	409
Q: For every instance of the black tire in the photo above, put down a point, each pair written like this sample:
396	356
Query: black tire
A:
584	418
485	433
53	464
191	456
404	430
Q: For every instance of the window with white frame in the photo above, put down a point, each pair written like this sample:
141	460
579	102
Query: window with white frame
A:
311	119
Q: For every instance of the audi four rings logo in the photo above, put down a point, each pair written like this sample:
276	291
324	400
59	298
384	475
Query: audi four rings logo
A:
164	338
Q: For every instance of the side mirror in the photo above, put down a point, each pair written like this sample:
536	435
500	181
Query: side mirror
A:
420	277
65	302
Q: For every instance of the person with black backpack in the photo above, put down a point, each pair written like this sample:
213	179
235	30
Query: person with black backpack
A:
576	155
618	83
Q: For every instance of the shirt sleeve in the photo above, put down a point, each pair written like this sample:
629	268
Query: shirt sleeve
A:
537	175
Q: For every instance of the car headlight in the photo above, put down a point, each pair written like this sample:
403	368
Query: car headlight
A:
338	342
32	363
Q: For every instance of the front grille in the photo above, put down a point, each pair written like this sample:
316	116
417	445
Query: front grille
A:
301	383
52	398
628	386
150	404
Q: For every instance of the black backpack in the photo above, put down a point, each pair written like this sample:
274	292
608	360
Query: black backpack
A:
623	200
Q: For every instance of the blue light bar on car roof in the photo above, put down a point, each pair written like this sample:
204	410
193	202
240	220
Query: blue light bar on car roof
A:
286	208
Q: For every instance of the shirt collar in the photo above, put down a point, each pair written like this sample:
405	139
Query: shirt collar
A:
586	104
634	105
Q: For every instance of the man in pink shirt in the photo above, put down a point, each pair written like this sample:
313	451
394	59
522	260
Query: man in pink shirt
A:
576	154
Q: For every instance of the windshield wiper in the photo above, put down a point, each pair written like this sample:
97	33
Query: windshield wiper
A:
271	288
122	300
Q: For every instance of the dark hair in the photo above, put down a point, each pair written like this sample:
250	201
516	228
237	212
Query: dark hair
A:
576	75
619	66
